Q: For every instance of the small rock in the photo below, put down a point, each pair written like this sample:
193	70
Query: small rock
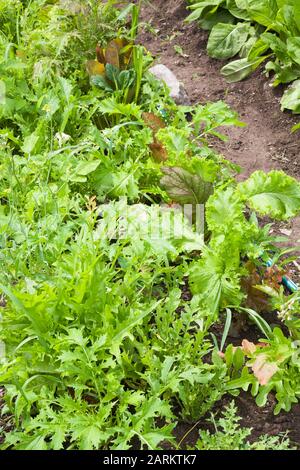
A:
177	90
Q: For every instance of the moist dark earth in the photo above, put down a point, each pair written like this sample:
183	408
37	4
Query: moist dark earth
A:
266	143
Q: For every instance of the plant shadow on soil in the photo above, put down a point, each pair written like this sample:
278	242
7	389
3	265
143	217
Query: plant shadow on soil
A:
265	144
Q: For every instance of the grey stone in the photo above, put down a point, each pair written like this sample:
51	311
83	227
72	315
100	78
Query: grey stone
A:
177	90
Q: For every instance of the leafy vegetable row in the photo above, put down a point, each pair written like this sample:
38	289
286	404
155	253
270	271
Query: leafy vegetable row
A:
105	345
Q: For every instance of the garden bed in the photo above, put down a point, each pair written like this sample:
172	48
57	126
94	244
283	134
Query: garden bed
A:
125	326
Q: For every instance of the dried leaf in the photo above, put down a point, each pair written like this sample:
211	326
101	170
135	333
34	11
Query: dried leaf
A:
95	68
264	370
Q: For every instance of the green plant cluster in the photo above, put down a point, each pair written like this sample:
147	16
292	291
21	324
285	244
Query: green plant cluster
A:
258	31
102	347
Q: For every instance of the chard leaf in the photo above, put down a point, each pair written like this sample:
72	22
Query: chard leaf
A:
240	69
291	98
293	48
226	40
263	11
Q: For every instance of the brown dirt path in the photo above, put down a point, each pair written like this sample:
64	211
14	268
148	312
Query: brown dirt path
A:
267	142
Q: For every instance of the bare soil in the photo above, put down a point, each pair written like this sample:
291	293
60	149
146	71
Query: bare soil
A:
266	143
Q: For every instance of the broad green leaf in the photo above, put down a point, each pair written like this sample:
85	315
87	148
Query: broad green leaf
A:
184	187
293	48
291	98
276	45
215	278
287	20
30	143
275	194
226	40
258	49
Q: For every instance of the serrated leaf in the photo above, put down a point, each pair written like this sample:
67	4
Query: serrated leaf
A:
95	68
226	40
111	106
58	438
201	7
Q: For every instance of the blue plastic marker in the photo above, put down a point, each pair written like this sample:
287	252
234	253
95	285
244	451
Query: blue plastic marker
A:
286	281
